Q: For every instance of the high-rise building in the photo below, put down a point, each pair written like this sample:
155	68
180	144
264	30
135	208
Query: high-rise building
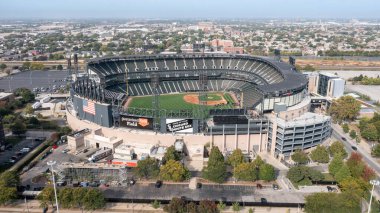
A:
326	84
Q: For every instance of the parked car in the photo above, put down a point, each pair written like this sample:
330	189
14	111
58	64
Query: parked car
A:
259	186
61	183
344	139
354	148
275	187
158	184
263	200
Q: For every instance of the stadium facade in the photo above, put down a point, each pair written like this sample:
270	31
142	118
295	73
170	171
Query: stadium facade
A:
270	98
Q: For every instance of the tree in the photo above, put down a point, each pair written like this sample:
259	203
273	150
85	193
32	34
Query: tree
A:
266	172
369	132
246	172
304	175
216	168
345	127
320	154
258	161
300	157
342	174
26	65
147	168
354	185
46	197
33	121
3	66
176	205
28	109
37	66
26	95
332	203
18	127
8	71
207	206
236	207
171	154
66	198
355	165
376	151
9	179
94	199
353	134
78	197
191	208
59	67
368	173
235	158
7	194
336	164
156	204
174	171
337	148
344	108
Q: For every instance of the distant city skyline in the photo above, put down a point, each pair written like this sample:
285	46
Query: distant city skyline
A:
189	9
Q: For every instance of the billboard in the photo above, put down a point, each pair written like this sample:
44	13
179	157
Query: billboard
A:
136	122
179	125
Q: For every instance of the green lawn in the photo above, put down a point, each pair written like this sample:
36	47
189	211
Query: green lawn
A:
176	102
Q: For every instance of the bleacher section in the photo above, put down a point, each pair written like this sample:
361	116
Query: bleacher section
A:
144	88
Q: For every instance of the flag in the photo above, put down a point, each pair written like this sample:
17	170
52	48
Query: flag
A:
89	106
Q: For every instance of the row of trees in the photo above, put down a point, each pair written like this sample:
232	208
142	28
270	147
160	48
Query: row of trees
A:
32	66
172	169
216	169
370	128
81	197
320	154
353	178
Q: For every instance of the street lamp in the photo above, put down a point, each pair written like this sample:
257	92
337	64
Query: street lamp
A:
373	183
51	163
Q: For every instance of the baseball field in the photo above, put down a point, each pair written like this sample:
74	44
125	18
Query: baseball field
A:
184	101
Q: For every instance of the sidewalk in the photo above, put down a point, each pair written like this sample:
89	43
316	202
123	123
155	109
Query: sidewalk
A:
33	206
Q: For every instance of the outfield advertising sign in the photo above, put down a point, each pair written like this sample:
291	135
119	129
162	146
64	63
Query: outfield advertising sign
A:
136	122
179	125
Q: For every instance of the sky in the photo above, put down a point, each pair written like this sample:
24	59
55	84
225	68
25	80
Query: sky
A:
189	9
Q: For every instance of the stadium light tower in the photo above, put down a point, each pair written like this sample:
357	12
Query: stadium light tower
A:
373	183
51	163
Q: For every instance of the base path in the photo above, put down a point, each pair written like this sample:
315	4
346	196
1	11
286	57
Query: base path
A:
194	99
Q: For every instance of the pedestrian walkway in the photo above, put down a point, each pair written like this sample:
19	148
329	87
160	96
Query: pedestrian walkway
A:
33	206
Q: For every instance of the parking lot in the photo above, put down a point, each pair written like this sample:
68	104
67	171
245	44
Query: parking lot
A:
57	155
33	79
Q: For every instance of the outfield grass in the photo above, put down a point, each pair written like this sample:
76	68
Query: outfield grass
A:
176	102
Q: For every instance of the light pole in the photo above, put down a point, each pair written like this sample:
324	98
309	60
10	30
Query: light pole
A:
51	163
373	183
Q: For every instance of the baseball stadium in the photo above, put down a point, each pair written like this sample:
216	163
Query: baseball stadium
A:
230	101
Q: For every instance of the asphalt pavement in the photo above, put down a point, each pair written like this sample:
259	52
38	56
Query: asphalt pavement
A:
33	79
